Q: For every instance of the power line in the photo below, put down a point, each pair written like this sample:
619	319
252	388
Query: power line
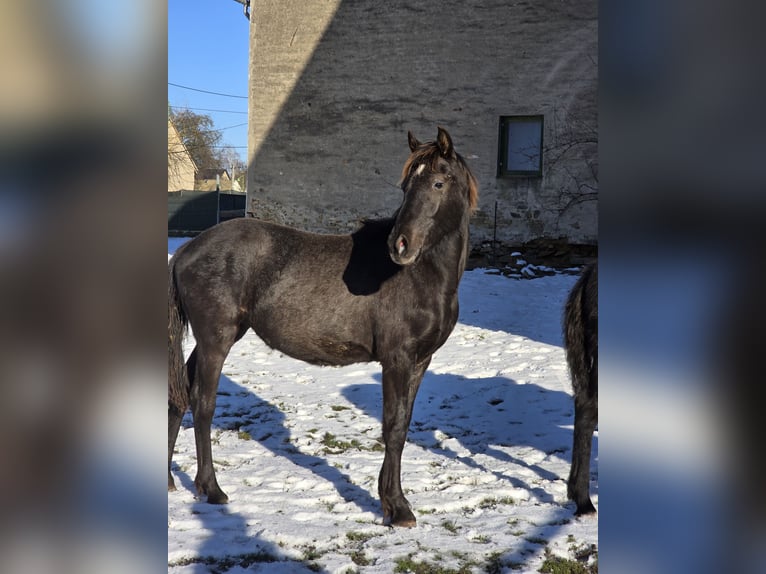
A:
207	110
206	91
229	127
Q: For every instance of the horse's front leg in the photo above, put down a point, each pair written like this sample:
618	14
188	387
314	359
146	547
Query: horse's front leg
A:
400	386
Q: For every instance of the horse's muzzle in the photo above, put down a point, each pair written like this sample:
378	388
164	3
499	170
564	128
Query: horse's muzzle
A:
400	249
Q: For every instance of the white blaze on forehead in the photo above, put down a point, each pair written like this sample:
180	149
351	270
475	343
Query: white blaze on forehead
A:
420	169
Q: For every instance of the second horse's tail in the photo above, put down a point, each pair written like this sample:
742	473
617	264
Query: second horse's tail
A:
581	330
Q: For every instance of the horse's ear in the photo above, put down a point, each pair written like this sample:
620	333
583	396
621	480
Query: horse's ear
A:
413	141
445	143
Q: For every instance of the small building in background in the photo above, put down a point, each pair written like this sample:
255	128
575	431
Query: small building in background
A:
215	180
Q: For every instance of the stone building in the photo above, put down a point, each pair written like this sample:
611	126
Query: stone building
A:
335	85
181	167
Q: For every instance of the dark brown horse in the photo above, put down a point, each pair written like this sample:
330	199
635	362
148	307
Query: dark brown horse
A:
581	342
386	293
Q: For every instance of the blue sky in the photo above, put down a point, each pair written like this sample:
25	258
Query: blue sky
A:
208	50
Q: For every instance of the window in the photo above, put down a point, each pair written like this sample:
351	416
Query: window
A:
520	149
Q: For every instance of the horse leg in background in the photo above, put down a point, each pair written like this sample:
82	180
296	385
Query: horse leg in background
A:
586	418
174	418
400	386
581	342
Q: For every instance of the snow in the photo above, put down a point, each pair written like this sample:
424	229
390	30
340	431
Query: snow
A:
297	449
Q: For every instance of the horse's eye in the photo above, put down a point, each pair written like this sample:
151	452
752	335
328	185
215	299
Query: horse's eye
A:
438	185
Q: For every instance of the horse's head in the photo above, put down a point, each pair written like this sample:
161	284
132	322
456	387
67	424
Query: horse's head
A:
440	193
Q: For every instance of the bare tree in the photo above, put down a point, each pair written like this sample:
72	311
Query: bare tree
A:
229	158
200	137
573	155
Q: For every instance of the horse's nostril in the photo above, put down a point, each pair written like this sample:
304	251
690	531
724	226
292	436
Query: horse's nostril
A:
401	245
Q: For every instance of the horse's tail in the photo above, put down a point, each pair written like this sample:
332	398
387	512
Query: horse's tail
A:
178	383
581	332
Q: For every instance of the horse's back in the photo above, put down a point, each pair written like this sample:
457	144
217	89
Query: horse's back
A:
287	284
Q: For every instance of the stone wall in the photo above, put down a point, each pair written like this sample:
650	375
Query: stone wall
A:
336	84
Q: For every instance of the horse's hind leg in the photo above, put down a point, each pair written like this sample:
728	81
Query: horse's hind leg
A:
175	415
400	386
174	424
210	361
586	417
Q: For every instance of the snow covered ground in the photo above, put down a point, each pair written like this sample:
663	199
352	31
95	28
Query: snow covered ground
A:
297	449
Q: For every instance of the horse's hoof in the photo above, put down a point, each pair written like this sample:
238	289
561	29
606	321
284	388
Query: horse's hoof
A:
585	508
217	498
403	519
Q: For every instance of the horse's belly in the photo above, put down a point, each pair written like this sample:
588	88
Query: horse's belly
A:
329	352
318	348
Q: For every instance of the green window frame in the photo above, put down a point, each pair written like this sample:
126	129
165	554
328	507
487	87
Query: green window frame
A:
520	146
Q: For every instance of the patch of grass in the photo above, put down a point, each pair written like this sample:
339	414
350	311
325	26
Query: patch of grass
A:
358	540
492	502
408	565
360	536
424	511
310	553
228	562
536	540
359	558
333	445
494	564
449	526
481	539
583	552
560	565
244	435
338	408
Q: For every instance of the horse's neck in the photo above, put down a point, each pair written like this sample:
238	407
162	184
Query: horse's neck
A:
450	254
